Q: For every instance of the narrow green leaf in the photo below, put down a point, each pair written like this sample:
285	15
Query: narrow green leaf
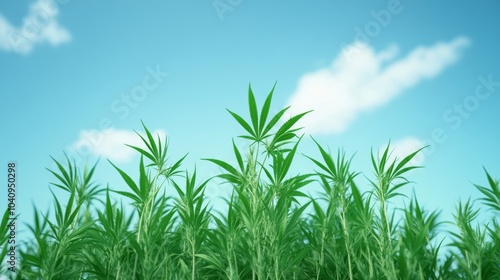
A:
69	208
265	111
88	175
243	123
142	152
288	160
224	165
173	170
238	157
374	163
384	158
327	158
144	184
289	123
109	209
254	114
129	195
65	178
406	160
127	180
285	128
152	143
274	120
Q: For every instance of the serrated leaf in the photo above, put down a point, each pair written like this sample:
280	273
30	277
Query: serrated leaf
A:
142	152
265	111
238	157
254	114
152	143
129	195
224	165
274	120
243	123
127	180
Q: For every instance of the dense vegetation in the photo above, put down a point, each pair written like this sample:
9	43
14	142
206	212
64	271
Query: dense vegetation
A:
265	232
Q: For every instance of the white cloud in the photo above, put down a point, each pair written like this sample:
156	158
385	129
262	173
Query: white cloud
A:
39	26
365	81
404	147
110	143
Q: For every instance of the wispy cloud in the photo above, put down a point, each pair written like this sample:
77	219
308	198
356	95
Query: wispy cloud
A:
365	81
110	143
39	26
401	148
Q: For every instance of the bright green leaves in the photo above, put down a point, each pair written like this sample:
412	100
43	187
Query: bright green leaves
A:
149	245
477	253
141	192
114	224
254	114
265	213
245	125
285	133
61	241
390	173
258	130
492	194
265	112
469	241
239	158
73	181
233	176
146	190
67	177
190	205
340	215
477	245
417	255
157	153
65	230
336	172
281	163
195	218
268	229
37	259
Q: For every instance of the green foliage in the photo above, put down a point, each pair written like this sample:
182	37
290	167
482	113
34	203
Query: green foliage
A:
270	229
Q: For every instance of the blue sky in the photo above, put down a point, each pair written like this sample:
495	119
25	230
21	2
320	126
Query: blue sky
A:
79	76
